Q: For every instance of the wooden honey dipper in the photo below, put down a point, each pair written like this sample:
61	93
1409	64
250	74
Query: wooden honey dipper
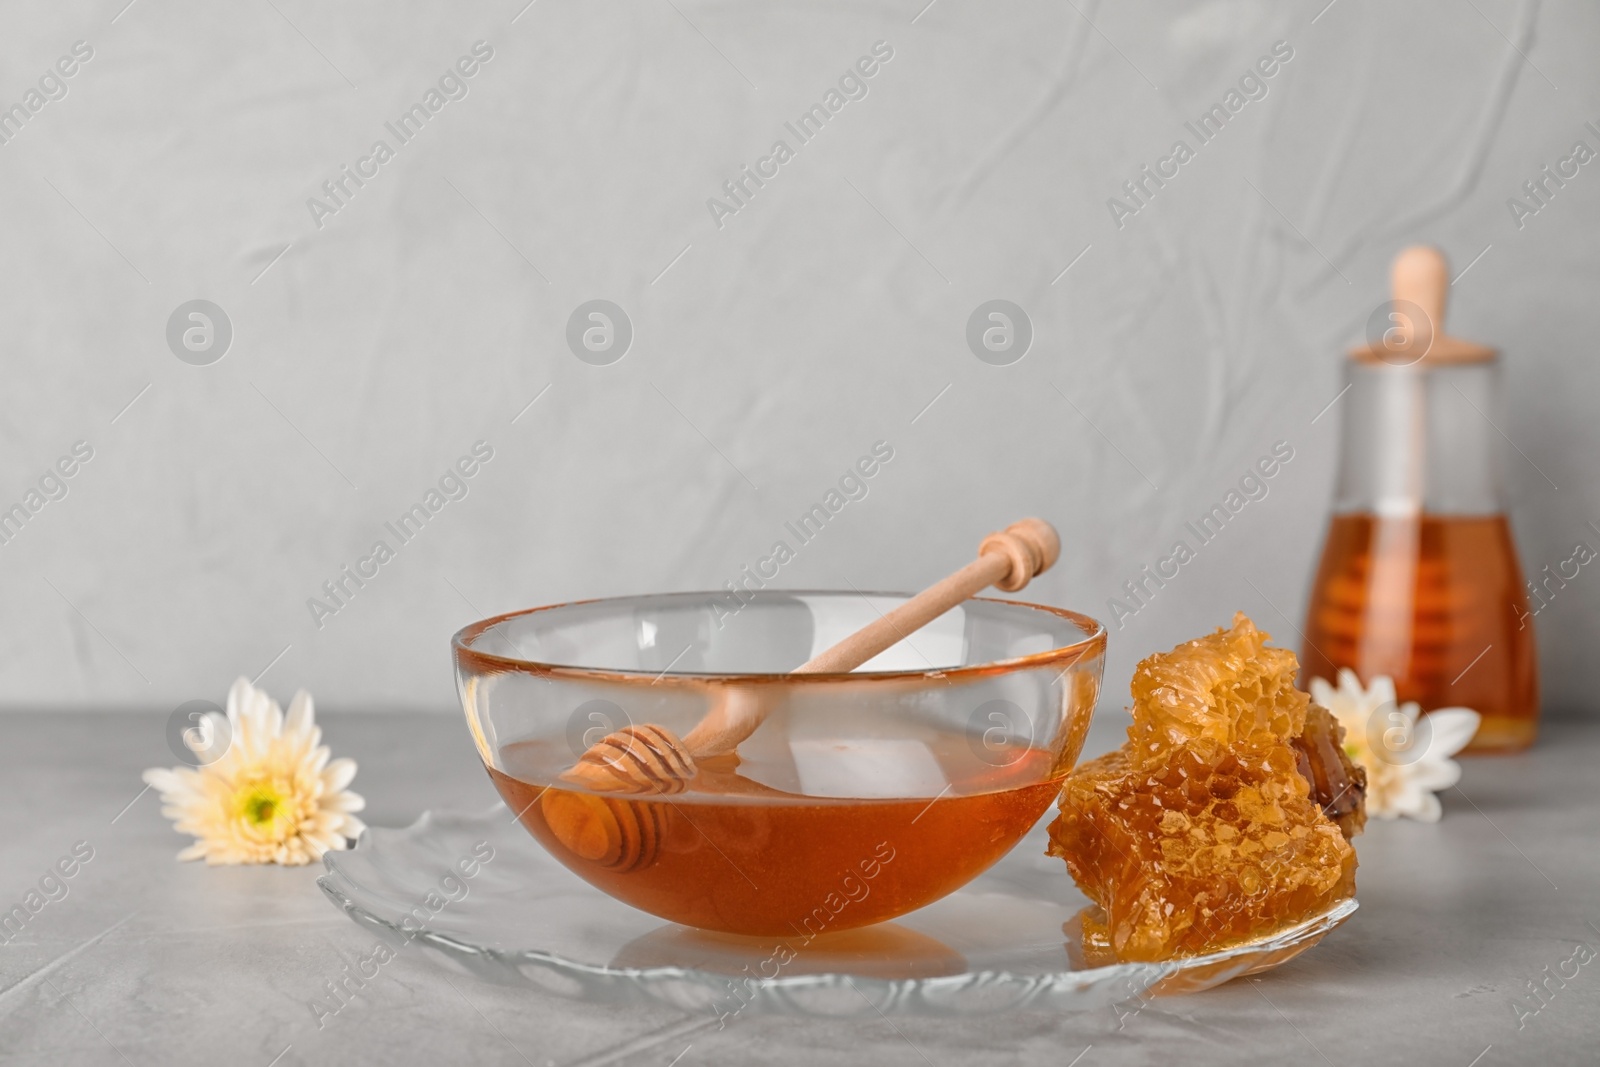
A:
650	759
1419	278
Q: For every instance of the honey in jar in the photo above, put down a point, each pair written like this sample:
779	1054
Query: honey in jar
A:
1419	578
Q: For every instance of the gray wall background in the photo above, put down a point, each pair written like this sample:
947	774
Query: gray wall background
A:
768	354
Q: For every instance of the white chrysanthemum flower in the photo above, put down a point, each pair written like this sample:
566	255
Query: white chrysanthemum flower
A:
272	797
1406	763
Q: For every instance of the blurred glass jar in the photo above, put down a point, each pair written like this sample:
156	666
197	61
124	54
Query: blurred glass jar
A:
1419	578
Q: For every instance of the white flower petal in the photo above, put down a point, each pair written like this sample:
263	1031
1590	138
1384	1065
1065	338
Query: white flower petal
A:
345	801
1322	692
162	779
338	774
1427	808
318	843
1433	775
1381	691
317	758
272	716
301	714
1451	730
239	696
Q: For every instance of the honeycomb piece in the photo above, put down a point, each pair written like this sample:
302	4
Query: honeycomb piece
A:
1203	831
1338	785
1220	691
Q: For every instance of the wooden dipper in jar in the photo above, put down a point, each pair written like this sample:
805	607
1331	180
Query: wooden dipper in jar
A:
650	759
1419	283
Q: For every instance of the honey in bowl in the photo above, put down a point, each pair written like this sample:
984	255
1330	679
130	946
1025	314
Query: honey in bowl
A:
854	796
755	848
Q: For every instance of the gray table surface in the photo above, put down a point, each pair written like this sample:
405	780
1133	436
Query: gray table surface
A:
148	961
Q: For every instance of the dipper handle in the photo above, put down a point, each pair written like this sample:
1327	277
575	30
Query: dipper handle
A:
1421	276
1008	560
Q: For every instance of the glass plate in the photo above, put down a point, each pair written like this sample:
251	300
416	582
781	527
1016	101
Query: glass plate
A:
480	891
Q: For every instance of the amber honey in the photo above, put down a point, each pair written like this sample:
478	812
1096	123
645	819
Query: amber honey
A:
1438	604
744	856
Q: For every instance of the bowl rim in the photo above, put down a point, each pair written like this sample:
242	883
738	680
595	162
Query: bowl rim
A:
482	662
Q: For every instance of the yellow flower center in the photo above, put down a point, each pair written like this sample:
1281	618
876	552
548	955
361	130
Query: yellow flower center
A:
262	806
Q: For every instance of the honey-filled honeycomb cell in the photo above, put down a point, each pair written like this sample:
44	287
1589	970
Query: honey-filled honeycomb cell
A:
1204	830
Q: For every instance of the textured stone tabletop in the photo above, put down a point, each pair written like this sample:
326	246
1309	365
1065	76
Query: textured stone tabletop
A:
147	961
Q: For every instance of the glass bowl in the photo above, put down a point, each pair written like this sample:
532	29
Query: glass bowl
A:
859	797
